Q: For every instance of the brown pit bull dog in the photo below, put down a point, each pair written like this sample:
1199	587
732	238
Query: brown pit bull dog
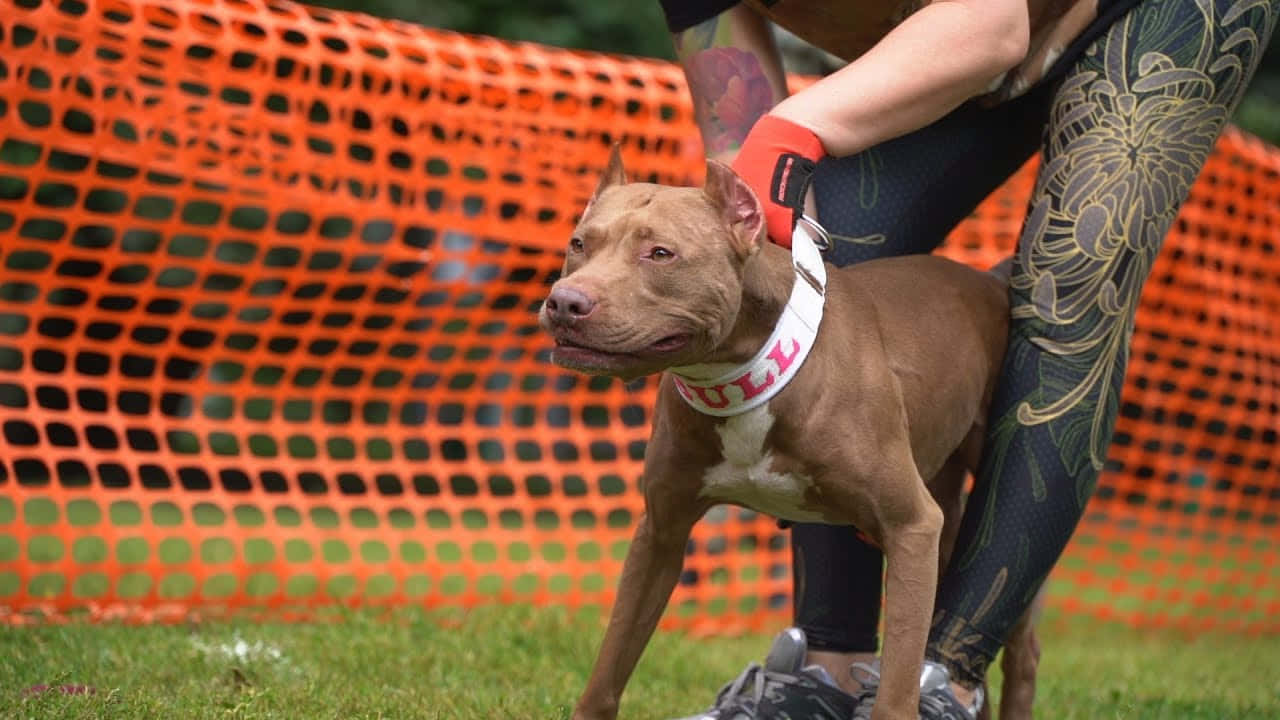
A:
760	409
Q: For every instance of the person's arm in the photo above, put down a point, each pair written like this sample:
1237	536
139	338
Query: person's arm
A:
735	75
934	60
937	58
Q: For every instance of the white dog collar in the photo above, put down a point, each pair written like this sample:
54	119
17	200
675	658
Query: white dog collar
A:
756	381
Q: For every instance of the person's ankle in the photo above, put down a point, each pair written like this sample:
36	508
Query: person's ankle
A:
965	695
837	664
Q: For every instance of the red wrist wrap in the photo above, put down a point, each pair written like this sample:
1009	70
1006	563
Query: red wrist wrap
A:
777	160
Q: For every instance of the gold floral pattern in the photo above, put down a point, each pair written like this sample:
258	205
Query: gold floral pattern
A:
1129	129
1129	132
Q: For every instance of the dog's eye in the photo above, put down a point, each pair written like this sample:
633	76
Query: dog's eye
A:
575	245
660	253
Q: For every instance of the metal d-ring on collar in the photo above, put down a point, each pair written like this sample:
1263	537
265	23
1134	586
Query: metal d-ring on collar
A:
823	239
818	237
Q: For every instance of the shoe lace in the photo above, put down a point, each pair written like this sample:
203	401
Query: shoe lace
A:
731	697
869	677
940	703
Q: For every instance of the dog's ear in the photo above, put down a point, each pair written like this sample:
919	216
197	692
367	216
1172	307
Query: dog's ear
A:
738	206
614	174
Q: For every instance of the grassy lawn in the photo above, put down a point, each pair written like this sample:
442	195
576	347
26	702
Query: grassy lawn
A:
523	663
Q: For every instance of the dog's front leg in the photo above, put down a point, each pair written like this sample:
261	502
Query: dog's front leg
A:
898	511
649	574
911	557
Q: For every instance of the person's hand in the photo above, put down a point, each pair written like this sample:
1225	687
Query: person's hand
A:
777	160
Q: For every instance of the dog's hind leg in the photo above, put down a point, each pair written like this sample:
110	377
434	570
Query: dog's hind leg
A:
1019	664
947	488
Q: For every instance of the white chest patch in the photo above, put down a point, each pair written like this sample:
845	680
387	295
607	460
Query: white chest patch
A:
744	476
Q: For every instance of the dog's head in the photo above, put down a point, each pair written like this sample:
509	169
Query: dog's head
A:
652	275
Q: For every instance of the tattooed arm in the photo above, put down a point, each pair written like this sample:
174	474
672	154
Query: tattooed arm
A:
735	76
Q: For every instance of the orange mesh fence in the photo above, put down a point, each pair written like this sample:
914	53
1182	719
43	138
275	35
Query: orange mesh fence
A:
267	337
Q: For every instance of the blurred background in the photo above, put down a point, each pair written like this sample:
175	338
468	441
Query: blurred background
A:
268	350
637	28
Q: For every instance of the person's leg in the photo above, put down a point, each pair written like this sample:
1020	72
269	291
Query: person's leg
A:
1130	128
899	198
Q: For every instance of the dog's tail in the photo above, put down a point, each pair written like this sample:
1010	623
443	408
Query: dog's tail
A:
1003	270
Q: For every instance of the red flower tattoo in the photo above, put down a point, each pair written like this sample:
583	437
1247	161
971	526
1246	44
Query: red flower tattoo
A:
730	92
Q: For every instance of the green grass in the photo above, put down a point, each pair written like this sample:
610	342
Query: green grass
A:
523	663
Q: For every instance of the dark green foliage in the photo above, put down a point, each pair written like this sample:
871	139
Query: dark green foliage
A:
637	28
632	28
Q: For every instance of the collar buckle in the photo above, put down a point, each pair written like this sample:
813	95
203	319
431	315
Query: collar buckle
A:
821	238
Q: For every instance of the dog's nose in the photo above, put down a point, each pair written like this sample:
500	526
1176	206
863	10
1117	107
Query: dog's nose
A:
568	304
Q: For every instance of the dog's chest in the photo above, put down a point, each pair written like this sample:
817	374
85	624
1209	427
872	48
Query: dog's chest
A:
746	477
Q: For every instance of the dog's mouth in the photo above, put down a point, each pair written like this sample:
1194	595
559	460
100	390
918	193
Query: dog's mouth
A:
578	354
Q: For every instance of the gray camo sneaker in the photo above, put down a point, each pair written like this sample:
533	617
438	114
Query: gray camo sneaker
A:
782	688
937	701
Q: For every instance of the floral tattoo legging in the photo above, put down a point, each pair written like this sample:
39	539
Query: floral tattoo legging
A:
1122	133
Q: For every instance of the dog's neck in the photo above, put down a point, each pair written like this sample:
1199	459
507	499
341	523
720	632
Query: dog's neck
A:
767	277
777	324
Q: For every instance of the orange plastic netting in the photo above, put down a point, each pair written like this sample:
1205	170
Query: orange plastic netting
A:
267	338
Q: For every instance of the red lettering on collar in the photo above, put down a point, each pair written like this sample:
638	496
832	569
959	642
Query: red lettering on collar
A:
721	401
750	389
784	361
